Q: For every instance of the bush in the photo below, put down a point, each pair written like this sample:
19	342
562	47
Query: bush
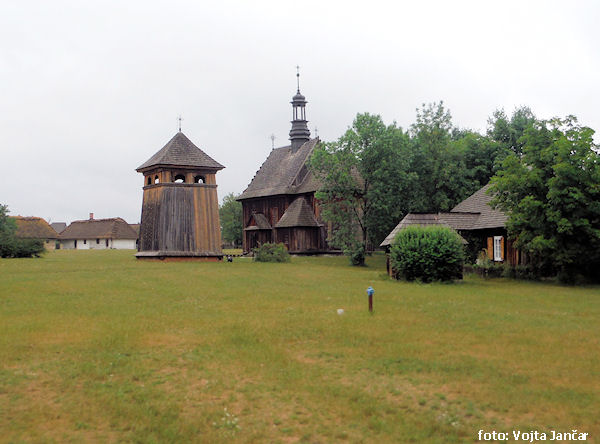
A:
271	253
427	253
357	255
13	247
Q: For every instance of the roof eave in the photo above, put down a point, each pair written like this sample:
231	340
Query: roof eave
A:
143	169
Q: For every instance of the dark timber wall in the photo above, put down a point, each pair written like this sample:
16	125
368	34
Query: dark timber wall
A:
296	239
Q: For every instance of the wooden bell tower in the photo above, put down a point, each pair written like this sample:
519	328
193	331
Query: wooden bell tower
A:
180	208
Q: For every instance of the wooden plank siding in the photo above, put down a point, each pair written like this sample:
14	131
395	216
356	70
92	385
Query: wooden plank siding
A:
180	218
296	239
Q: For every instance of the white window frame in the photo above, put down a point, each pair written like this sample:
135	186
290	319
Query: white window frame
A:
498	248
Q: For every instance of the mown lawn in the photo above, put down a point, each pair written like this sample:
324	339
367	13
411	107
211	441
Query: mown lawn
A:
98	347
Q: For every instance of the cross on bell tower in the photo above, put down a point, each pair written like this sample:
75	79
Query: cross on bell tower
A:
299	134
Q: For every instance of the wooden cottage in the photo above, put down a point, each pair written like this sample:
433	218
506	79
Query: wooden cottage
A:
279	205
35	228
475	220
98	234
180	208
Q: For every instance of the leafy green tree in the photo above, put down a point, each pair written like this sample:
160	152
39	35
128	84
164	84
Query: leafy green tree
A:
437	161
10	246
230	215
509	132
365	178
551	191
7	232
480	155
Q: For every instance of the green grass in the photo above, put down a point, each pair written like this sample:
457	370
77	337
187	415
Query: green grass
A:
96	346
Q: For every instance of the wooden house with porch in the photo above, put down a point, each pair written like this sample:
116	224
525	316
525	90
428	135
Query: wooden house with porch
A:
279	204
483	227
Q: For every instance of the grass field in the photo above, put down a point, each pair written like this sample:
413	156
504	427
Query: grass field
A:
98	347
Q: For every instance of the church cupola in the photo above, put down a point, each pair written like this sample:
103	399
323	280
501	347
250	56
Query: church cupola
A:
299	134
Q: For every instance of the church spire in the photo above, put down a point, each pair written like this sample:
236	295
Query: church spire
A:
299	134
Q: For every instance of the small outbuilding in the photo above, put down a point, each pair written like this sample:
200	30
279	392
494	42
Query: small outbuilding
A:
476	221
36	228
99	234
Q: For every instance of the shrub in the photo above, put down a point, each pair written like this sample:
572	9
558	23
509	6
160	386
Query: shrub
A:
357	255
13	247
427	253
271	253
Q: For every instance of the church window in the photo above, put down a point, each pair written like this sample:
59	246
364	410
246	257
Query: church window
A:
180	178
149	181
156	179
199	179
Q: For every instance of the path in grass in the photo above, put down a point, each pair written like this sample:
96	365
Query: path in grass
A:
96	346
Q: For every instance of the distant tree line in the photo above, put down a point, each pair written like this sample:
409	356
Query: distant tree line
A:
545	175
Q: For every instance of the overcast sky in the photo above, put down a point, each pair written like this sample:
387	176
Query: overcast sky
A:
91	90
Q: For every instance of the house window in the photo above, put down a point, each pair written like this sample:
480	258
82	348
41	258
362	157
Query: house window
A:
97	241
107	242
84	241
498	248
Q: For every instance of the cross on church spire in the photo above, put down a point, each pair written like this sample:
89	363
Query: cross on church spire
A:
179	119
298	76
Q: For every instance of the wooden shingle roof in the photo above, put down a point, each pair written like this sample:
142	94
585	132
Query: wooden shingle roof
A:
180	152
284	172
479	202
114	228
298	214
260	222
473	213
33	228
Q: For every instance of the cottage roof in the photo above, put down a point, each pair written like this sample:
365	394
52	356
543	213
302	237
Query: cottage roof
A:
33	228
479	202
422	219
473	213
284	172
180	152
298	214
58	226
114	228
260	222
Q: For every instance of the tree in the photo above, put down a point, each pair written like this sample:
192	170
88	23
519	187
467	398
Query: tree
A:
7	227
10	245
508	133
230	214
438	161
365	178
551	192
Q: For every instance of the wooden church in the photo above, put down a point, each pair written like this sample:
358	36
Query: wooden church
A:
279	205
180	208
